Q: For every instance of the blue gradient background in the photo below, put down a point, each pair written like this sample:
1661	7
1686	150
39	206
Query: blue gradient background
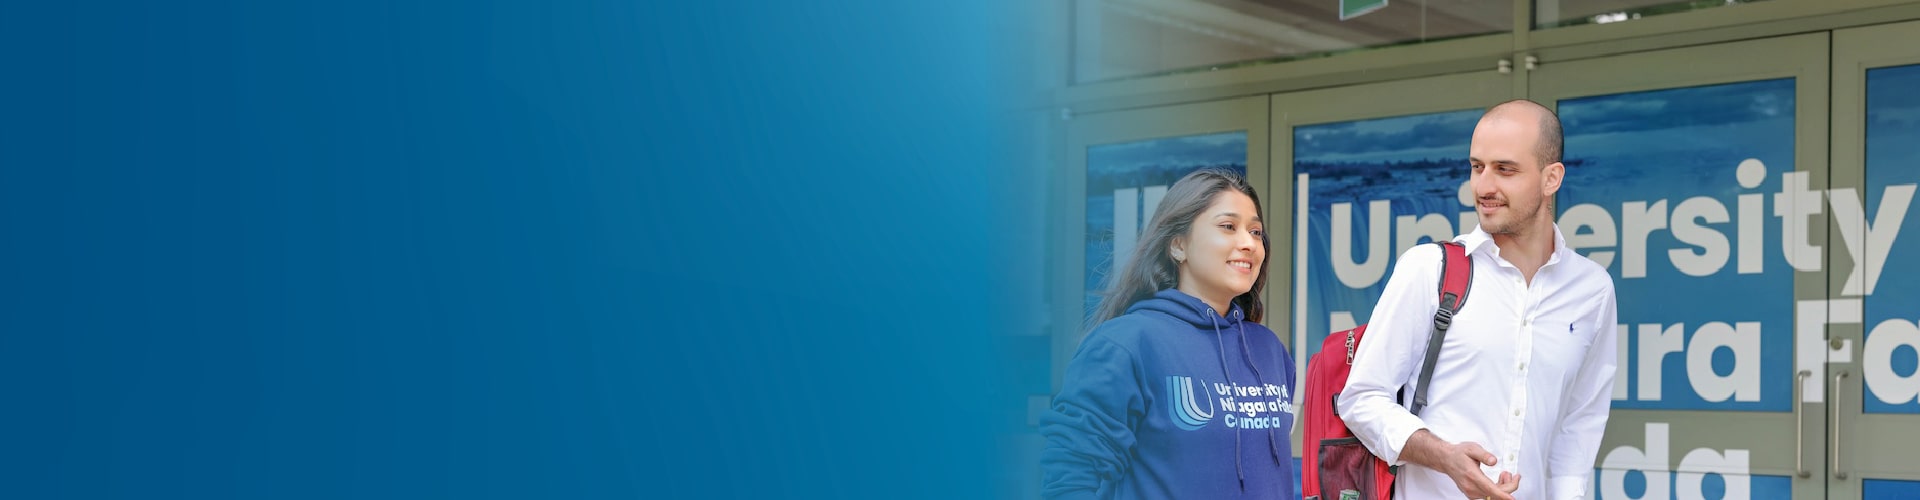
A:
503	250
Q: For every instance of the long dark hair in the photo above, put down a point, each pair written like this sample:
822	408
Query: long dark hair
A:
1151	267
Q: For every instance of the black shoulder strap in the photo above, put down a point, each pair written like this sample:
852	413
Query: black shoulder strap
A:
1456	277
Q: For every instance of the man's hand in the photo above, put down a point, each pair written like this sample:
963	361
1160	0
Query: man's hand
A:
1462	463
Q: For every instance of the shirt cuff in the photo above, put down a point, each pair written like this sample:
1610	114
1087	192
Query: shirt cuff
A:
1568	488
1399	428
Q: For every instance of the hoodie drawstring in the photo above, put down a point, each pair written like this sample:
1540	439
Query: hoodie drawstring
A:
1245	353
1213	317
1273	448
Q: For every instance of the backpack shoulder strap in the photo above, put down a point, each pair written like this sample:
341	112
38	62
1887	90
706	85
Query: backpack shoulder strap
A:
1456	278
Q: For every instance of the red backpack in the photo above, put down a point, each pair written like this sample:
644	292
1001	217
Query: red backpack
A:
1334	461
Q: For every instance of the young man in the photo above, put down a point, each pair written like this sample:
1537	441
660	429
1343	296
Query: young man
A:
1524	379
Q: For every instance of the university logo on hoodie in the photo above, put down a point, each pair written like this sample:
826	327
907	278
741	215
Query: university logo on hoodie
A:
1245	406
1185	405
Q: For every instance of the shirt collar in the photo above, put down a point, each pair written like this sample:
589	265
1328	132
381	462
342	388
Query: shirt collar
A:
1479	239
1475	240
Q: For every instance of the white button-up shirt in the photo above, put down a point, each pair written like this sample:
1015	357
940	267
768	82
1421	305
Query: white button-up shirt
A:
1526	370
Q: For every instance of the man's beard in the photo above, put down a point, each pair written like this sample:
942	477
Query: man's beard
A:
1514	220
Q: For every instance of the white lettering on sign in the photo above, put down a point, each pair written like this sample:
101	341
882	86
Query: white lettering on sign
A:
1742	339
1652	463
1700	246
1696	223
1366	272
1887	385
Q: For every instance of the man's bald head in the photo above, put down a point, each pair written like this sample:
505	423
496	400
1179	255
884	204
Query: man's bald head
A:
1548	144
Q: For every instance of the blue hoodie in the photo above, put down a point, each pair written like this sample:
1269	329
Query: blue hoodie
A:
1172	400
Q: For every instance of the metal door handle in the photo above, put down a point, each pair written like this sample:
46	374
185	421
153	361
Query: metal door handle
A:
1799	420
1835	423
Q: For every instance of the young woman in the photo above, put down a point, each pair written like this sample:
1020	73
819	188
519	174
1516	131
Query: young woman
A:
1179	392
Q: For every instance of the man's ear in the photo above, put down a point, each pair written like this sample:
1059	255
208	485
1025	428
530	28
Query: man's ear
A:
1554	173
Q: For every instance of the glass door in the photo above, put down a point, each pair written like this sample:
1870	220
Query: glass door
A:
1698	177
1876	166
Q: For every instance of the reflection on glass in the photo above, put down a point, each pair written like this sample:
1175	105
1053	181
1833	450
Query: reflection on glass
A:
1890	361
1125	182
1556	13
1116	39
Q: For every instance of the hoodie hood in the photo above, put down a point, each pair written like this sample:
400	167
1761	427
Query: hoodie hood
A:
1190	309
